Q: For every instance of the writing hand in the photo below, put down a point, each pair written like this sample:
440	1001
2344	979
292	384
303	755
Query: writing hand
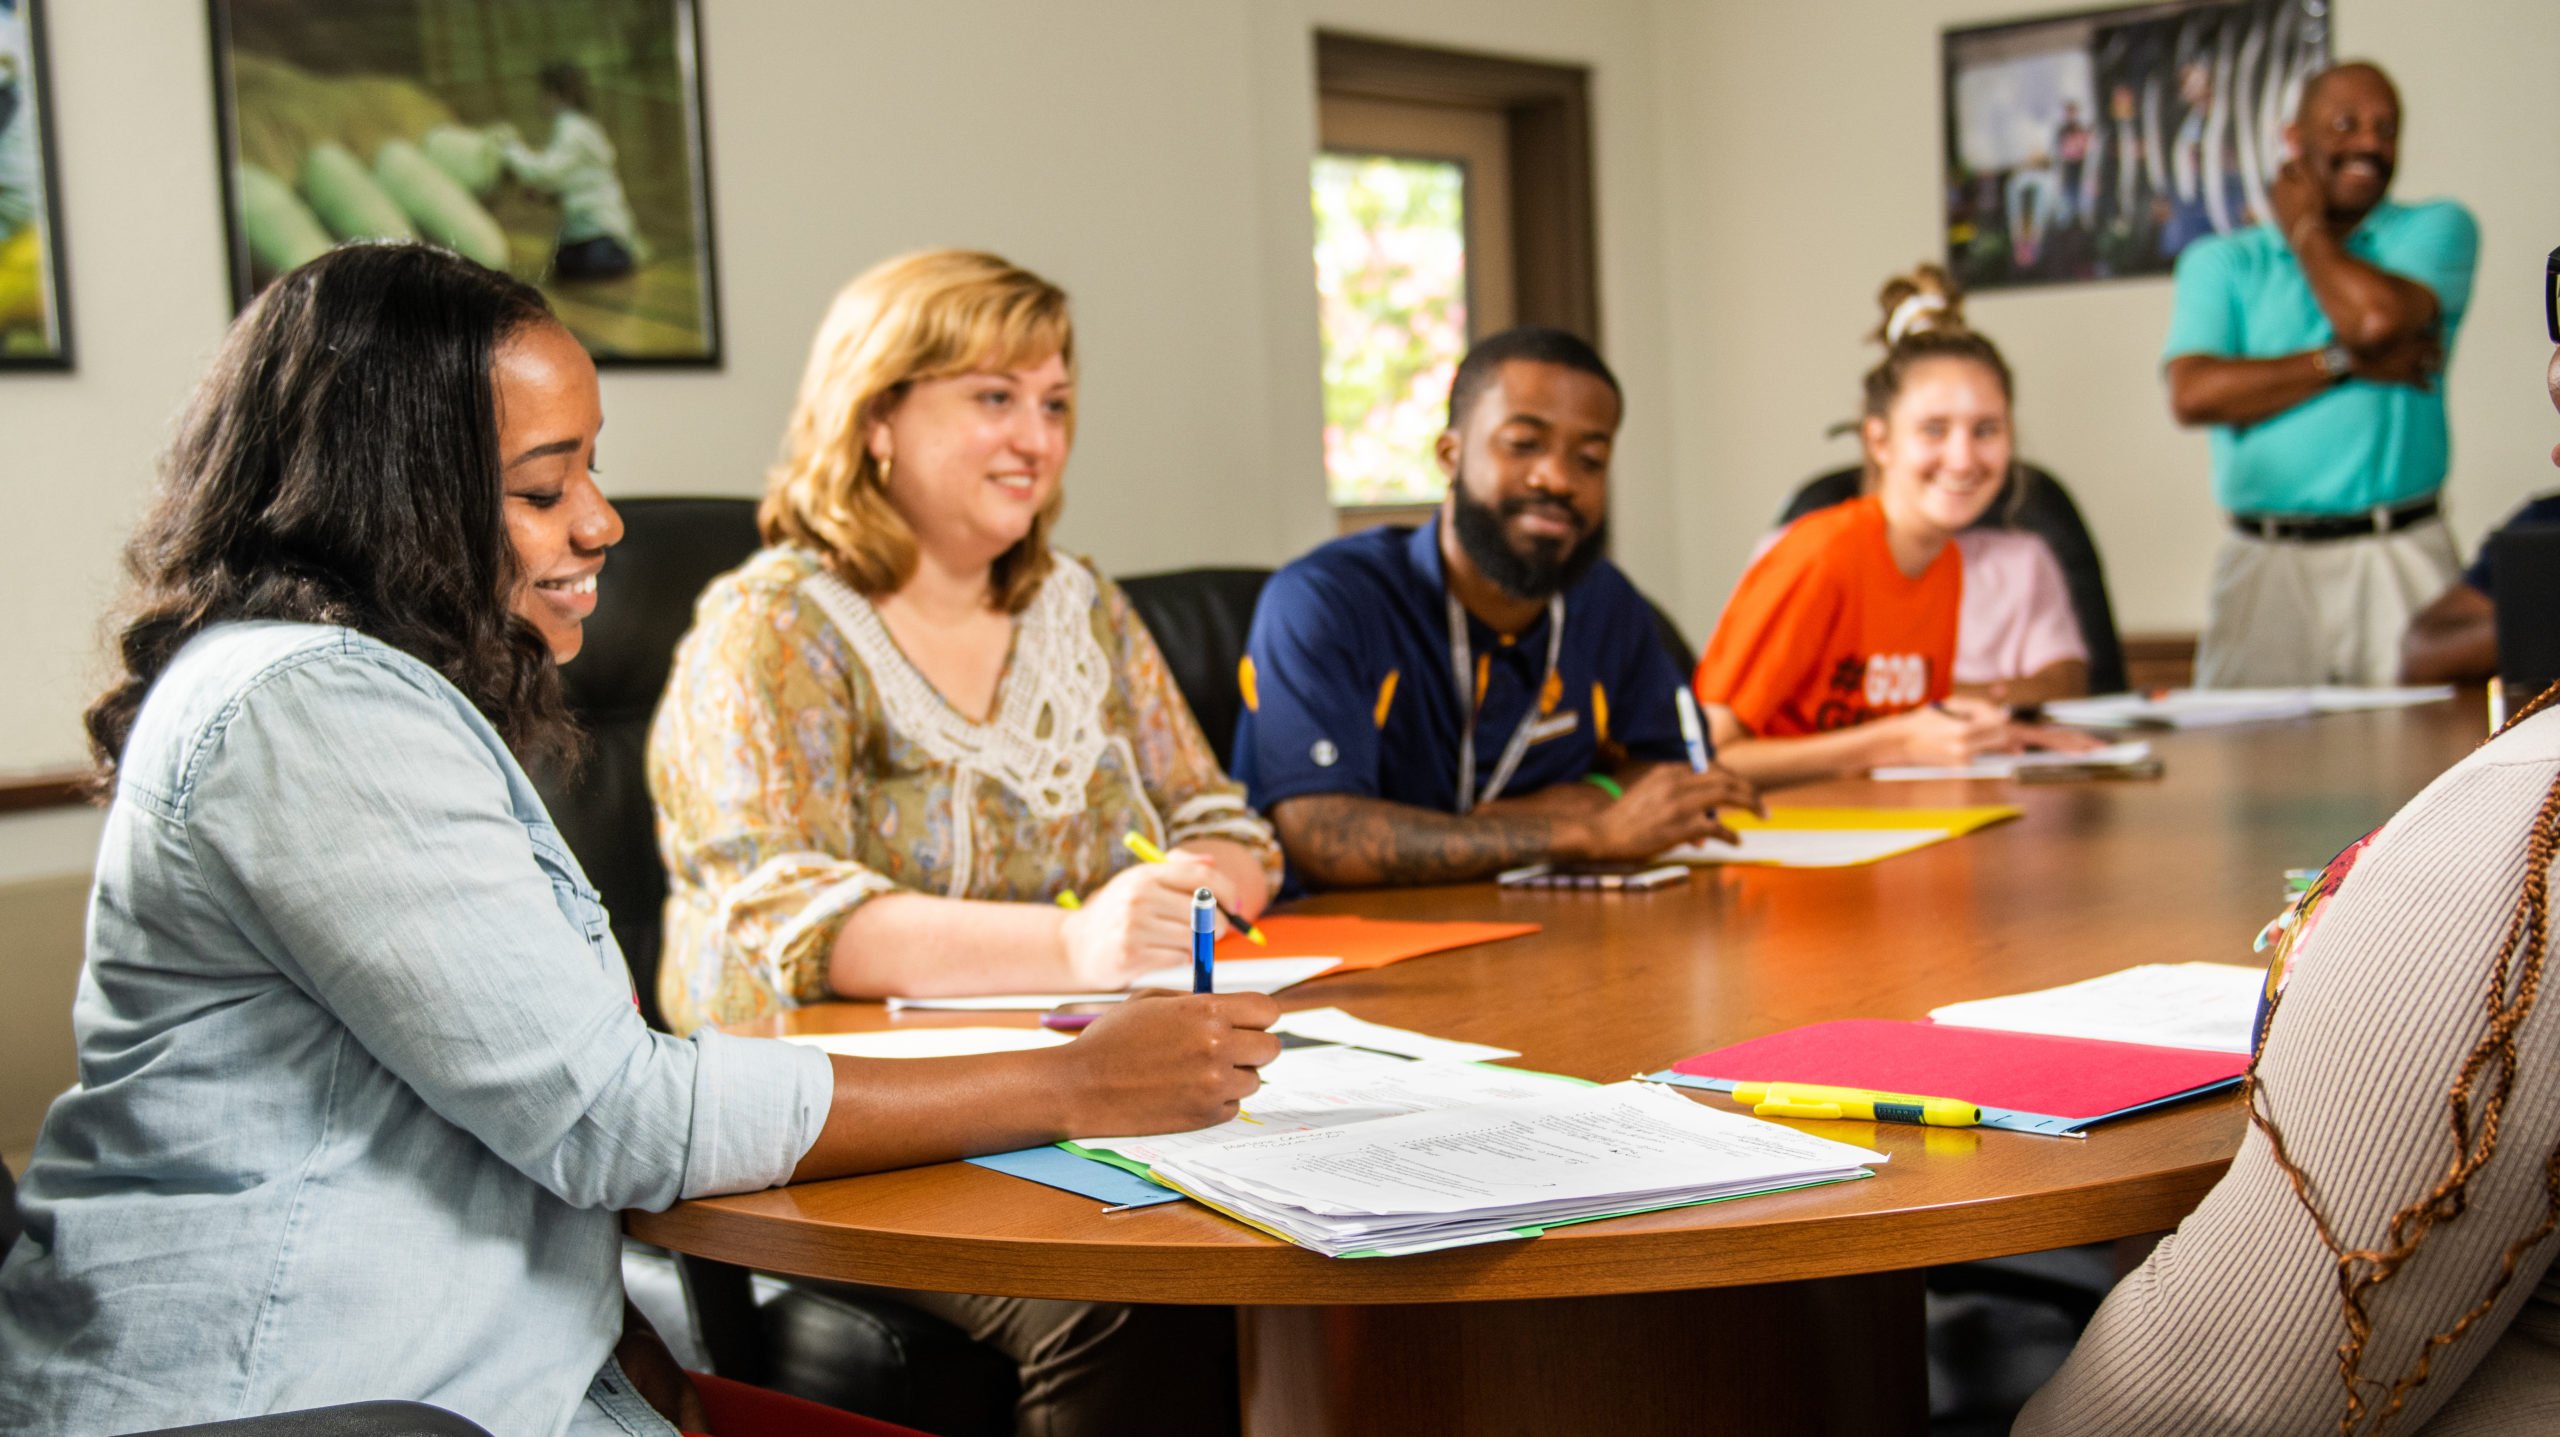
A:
1665	807
1138	922
1168	1062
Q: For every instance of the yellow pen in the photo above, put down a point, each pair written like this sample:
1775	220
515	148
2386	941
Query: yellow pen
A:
1147	852
1807	1100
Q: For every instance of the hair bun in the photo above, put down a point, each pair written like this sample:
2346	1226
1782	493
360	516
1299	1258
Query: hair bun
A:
1924	301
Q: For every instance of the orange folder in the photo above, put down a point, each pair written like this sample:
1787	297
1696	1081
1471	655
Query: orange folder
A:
1362	942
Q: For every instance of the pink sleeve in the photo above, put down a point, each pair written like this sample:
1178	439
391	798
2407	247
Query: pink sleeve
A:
2016	617
2052	629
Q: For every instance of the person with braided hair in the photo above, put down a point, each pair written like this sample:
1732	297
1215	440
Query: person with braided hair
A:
2379	1257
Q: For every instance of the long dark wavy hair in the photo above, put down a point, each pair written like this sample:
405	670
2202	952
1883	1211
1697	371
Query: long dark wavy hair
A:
339	465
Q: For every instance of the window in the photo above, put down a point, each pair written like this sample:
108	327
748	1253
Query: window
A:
1411	265
1419	250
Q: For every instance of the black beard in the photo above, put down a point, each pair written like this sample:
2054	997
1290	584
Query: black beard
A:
1548	571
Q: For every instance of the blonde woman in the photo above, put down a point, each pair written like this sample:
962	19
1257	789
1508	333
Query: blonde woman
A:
898	733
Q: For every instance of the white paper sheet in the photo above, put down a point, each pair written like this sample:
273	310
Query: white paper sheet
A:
2172	1005
2007	765
1332	1025
1806	847
1234	975
2215	708
931	1042
1302	1091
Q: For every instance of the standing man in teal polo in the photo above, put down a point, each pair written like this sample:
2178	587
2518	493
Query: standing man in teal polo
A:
2313	345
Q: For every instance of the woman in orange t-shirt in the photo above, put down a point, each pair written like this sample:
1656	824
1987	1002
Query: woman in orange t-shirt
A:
1837	651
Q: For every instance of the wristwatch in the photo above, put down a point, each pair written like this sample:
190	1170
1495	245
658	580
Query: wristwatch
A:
2335	360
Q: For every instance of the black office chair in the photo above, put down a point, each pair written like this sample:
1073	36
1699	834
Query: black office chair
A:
671	548
2525	564
2048	513
356	1419
1199	618
847	1349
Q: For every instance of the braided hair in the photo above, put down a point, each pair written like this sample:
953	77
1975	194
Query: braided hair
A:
2474	1106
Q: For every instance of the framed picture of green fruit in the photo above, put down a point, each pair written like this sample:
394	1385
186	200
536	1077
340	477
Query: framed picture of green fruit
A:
34	332
558	140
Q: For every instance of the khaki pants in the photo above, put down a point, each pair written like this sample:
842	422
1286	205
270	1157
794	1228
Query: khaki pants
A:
2290	612
1105	1369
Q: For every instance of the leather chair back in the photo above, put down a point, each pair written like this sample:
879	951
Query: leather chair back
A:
1199	617
2048	513
670	549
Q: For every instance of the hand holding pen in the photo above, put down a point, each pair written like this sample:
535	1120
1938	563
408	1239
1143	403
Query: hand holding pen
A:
1147	852
1139	922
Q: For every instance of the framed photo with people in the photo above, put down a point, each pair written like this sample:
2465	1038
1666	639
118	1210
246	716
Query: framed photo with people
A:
2098	145
558	140
35	329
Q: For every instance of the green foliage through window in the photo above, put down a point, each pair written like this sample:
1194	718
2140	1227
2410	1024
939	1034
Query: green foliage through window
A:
1391	284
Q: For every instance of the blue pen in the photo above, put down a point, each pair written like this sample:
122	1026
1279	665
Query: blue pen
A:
1693	730
1204	941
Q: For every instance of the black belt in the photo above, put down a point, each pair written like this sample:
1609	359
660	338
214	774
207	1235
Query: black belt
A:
2377	520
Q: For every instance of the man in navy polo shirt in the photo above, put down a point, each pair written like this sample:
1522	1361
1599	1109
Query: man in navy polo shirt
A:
1376	760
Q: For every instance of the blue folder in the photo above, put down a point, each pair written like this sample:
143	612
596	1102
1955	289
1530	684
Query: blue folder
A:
1058	1168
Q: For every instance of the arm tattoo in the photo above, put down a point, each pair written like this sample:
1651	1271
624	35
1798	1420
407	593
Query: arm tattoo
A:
1342	840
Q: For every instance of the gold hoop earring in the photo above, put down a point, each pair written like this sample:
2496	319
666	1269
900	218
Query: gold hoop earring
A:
885	466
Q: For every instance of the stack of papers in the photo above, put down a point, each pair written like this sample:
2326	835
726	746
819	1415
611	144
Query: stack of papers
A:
1493	1171
2127	756
2215	708
1328	1087
2171	1005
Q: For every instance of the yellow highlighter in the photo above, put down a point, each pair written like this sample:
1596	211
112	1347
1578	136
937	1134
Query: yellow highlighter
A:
1139	844
1067	900
1807	1100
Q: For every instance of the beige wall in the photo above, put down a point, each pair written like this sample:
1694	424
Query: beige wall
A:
1800	167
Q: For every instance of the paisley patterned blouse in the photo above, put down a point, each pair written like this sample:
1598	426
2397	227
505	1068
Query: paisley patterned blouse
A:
801	766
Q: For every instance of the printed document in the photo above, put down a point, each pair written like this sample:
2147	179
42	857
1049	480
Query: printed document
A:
1492	1170
2168	1005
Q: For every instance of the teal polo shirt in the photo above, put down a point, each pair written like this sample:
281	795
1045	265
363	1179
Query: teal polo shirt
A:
2243	296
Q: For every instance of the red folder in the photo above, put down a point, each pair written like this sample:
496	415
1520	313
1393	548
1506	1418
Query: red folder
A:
2079	1080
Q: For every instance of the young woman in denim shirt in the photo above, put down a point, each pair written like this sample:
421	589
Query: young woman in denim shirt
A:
362	1084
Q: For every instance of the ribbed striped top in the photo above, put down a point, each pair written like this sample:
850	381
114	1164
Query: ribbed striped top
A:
2234	1324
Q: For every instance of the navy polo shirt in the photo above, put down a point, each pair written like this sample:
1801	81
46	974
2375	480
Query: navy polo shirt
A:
1348	688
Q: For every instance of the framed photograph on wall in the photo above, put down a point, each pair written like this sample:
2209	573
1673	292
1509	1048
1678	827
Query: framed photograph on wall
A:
35	331
558	140
2099	145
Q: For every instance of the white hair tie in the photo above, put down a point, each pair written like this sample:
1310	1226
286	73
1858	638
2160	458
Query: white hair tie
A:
1906	316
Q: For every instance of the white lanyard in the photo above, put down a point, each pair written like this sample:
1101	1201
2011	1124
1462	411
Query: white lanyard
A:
1462	665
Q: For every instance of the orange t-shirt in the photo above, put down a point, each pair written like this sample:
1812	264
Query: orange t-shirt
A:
1825	632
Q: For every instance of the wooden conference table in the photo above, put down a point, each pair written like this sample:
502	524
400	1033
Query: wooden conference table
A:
1794	1312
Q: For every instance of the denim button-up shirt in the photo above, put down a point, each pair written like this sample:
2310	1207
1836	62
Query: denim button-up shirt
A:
362	1084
